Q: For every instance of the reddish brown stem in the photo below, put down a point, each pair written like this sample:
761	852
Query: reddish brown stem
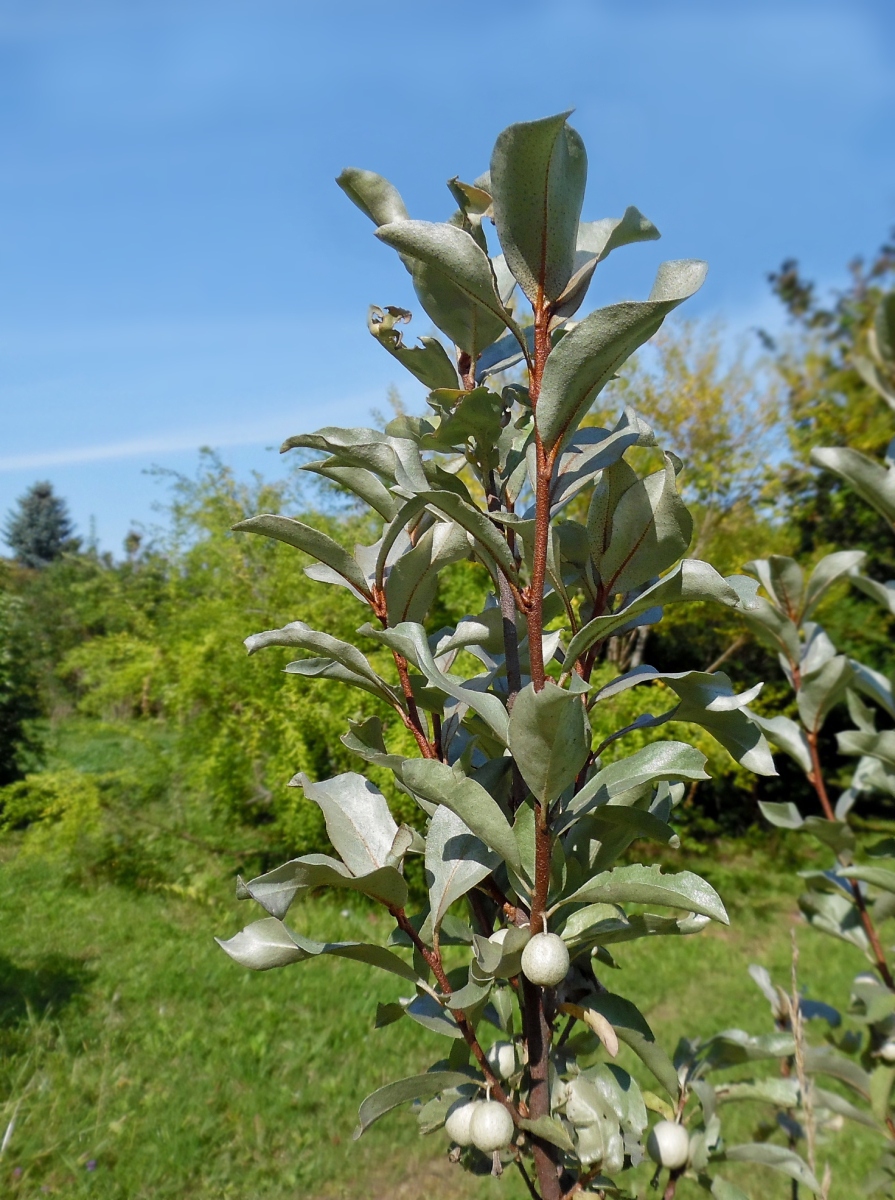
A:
817	780
413	720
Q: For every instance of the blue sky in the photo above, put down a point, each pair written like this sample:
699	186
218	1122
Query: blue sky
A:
179	268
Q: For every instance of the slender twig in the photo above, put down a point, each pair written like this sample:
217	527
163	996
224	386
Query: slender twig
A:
532	1190
728	653
412	720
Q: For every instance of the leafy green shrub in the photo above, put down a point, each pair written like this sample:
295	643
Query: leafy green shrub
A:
20	704
513	729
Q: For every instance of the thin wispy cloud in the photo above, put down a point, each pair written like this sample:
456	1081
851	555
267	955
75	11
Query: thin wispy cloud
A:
135	448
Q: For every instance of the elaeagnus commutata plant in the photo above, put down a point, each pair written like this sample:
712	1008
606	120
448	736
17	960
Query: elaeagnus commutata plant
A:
525	814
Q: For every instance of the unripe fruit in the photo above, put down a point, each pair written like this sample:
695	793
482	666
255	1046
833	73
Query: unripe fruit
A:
545	960
668	1145
458	1122
491	1126
502	1059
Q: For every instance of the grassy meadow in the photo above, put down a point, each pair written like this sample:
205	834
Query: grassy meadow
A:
138	1061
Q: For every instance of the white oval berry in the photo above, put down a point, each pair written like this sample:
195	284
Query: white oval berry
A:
491	1126
458	1122
668	1145
545	960
502	1059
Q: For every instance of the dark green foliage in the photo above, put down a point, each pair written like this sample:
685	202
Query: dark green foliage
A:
40	529
19	697
830	403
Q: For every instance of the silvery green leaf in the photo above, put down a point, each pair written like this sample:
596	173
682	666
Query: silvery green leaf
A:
439	784
411	641
876	876
779	1158
690	580
633	1029
709	700
882	593
357	818
596	241
822	690
365	739
822	1060
297	633
647	885
784	815
584	361
374	196
550	1129
874	377
786	735
606	924
787	584
774	628
836	915
328	668
413	580
481	527
874	745
454	254
361	482
503	354
872	481
828	571
873	684
265	944
651	529
818	649
588	453
416	1087
732	1047
658	760
426	1011
538	175
549	737
617	826
484	630
456	860
311	541
835	1103
471	326
276	889
428	362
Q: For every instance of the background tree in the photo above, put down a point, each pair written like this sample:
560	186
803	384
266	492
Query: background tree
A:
831	403
39	530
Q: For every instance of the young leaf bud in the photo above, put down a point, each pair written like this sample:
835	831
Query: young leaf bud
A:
545	960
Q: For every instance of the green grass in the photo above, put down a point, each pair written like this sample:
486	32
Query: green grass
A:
137	1061
129	1040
